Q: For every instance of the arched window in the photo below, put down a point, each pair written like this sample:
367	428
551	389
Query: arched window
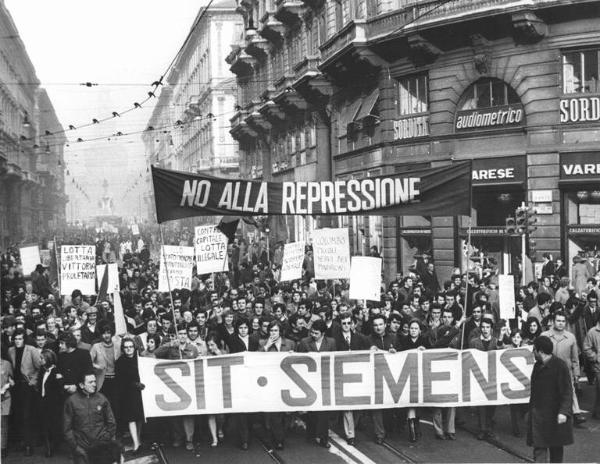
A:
486	93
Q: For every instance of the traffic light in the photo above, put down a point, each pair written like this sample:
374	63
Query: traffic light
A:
521	220
511	225
532	245
531	220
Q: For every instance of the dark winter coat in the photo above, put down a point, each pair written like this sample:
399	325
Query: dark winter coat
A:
551	395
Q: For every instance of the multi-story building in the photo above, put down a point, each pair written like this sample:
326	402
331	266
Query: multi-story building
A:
32	200
191	119
340	89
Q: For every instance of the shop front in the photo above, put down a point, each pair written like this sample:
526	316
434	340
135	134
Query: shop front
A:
498	189
580	205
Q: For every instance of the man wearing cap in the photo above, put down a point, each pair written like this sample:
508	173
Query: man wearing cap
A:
90	332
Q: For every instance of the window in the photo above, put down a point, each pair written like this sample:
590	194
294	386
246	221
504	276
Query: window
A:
580	71
412	95
486	93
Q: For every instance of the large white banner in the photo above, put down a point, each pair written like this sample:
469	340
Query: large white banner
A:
113	277
210	245
78	269
365	278
268	382
293	257
331	249
506	296
180	261
30	258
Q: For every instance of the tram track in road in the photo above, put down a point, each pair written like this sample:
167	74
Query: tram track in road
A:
399	453
275	457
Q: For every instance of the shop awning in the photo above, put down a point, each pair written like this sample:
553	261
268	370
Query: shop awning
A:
368	104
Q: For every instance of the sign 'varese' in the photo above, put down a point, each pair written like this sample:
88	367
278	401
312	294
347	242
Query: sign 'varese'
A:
435	191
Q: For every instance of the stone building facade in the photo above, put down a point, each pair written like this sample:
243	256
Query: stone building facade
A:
32	199
340	89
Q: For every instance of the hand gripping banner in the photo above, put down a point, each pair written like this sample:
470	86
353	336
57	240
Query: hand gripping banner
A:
344	380
441	191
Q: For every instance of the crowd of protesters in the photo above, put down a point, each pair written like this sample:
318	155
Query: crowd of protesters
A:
58	353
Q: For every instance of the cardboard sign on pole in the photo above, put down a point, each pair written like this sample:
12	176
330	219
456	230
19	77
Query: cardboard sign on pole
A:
293	257
78	269
180	261
210	245
506	295
331	249
30	258
365	278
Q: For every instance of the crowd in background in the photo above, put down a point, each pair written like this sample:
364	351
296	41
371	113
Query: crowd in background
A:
51	345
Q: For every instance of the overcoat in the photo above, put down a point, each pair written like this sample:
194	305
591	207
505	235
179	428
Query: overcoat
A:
551	395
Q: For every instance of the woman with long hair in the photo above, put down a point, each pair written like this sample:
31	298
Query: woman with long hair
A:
152	342
532	329
129	390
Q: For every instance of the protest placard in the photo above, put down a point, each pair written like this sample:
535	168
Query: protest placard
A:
331	252
180	261
293	257
30	258
135	230
365	278
506	296
355	380
46	257
113	277
210	245
78	269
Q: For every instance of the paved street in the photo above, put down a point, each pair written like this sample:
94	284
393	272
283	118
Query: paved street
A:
396	447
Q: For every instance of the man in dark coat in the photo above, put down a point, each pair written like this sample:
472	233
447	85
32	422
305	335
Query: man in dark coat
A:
317	422
550	404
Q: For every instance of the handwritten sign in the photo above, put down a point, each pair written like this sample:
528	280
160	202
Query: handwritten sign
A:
293	256
210	245
331	253
179	261
30	258
78	269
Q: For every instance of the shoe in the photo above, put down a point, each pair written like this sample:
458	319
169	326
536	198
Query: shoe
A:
490	435
220	435
177	444
214	444
244	446
324	444
189	446
440	437
481	436
451	436
579	419
379	440
28	451
279	446
350	441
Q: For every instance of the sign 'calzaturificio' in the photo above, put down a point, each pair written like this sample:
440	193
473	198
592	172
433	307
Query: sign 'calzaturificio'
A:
435	191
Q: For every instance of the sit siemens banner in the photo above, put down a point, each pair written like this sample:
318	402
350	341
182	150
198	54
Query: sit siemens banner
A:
269	382
441	191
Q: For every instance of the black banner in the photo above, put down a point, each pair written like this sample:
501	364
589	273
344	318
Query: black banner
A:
442	191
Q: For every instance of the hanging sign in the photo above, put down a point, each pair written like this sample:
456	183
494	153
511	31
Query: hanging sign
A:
210	245
293	257
331	253
440	191
78	269
179	262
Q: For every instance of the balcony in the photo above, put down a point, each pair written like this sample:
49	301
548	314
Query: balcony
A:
240	130
288	98
241	64
258	121
289	11
256	45
348	52
272	29
310	82
269	109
